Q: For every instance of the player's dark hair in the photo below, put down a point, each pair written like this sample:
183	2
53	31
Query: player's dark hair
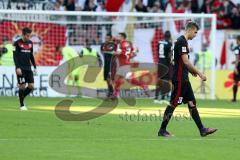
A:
192	24
124	35
26	30
167	35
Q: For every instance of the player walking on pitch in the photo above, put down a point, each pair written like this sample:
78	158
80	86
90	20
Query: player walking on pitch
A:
125	53
236	69
164	58
182	90
107	49
23	57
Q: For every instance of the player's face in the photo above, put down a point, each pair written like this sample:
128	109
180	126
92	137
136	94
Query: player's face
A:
192	33
108	38
120	37
26	37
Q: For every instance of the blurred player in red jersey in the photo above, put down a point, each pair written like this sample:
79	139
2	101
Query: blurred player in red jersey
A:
125	52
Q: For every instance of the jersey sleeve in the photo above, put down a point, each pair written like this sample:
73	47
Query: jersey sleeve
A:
15	54
182	48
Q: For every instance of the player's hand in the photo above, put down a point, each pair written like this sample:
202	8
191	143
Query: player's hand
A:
19	71
194	74
203	77
35	72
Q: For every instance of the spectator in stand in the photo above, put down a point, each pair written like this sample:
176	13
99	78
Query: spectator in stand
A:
184	7
140	7
69	5
101	7
157	7
227	7
206	7
194	6
59	5
90	6
79	5
235	17
150	3
222	20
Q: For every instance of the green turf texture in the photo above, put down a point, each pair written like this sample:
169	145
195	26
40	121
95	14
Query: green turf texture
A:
39	134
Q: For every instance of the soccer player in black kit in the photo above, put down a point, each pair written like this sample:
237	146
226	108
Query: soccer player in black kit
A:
164	58
107	49
23	57
182	91
236	69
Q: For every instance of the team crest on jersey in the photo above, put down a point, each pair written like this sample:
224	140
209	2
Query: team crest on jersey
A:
184	49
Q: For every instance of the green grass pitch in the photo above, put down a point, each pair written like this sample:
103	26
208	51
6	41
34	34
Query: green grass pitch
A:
39	134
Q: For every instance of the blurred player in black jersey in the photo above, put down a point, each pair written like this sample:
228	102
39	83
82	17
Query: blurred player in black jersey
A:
164	58
107	49
182	91
23	57
236	69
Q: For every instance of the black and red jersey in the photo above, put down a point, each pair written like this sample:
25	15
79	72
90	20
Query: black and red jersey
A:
23	54
180	71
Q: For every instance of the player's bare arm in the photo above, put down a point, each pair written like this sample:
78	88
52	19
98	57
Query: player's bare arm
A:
193	70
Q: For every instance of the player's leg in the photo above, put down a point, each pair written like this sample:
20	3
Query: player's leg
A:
166	96
77	84
110	86
195	114
30	80
190	99
131	78
21	86
119	77
76	79
235	87
158	84
21	94
118	81
176	99
28	89
157	90
106	76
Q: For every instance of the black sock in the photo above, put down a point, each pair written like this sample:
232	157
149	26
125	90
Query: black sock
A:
195	115
235	88
21	97
167	116
27	91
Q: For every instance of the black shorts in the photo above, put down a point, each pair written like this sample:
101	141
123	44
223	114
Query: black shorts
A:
236	77
26	77
182	93
107	66
168	75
